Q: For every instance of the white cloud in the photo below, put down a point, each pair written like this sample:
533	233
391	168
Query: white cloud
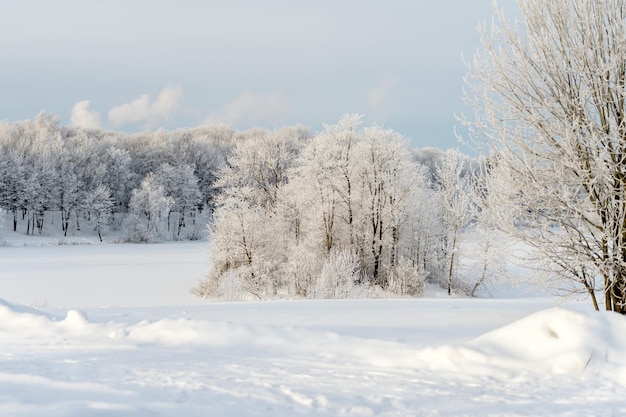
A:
83	117
151	113
250	108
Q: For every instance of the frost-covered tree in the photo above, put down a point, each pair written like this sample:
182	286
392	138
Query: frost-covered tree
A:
211	145
345	202
99	204
453	193
486	255
181	184
37	193
3	214
243	241
13	166
40	140
354	190
323	184
387	177
47	169
316	209
260	163
70	188
548	91
149	207
244	229
118	178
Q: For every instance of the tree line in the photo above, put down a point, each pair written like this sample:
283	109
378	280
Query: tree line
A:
349	209
153	185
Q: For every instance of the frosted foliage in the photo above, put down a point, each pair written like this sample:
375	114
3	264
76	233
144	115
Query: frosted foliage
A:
260	164
48	170
181	185
300	270
3	214
338	276
149	207
548	95
344	206
407	279
99	204
456	208
231	287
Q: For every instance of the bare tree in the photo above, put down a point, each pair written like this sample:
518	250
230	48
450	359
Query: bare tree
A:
549	96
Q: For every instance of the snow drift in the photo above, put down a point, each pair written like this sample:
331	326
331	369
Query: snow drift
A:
553	341
559	341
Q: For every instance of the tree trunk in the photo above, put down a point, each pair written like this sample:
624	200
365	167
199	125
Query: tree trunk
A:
483	274
181	222
452	256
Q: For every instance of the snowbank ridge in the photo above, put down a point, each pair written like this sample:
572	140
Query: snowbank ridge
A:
553	341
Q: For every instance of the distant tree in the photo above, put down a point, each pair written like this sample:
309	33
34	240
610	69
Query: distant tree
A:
119	177
453	193
2	217
388	177
36	190
99	205
181	184
487	255
244	228
260	165
70	188
34	146
243	241
212	144
149	207
13	166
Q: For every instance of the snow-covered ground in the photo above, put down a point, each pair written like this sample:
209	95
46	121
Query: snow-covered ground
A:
116	333
102	274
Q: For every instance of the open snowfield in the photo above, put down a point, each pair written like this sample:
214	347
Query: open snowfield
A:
116	333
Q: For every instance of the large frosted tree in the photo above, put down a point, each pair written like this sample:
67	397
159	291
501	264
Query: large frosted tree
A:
549	94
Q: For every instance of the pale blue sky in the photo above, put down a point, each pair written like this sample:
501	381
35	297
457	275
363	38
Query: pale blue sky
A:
150	64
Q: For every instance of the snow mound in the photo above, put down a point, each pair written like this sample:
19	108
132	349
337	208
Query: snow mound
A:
553	342
19	318
556	341
7	308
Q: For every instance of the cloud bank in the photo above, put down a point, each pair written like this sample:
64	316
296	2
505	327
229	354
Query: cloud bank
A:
143	110
81	116
250	108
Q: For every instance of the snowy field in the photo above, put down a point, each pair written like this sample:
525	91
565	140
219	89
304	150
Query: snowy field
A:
115	332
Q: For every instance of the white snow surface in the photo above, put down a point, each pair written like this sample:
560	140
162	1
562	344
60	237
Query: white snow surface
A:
115	332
